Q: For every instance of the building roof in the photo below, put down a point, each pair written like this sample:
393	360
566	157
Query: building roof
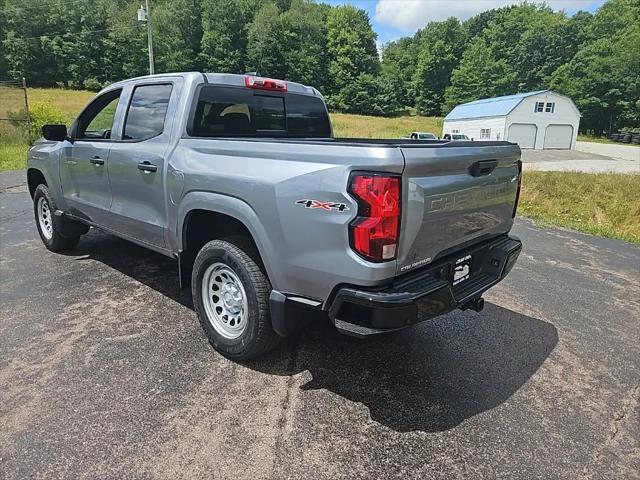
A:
489	107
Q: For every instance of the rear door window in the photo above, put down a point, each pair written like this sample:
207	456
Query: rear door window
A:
147	111
232	111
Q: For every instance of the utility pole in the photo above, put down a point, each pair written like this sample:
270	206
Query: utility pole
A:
144	15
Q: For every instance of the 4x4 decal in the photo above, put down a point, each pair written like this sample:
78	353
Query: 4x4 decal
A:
328	206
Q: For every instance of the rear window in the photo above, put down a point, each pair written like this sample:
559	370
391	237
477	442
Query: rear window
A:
232	111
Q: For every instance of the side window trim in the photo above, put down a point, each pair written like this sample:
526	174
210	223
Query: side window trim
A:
76	124
130	95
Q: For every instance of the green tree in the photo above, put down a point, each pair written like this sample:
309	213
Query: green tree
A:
440	46
305	41
479	75
177	35
290	44
530	39
224	34
369	94
604	76
265	43
398	66
476	24
125	52
351	47
24	28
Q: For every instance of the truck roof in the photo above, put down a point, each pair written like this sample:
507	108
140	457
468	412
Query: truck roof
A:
238	80
221	79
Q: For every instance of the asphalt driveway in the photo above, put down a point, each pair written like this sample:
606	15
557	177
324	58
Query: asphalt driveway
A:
104	373
588	157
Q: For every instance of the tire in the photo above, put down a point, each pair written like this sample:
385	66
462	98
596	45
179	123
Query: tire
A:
231	266
57	233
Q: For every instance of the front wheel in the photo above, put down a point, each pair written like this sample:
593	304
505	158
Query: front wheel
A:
231	297
57	233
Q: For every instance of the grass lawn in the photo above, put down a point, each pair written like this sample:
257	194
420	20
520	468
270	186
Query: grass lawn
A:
67	102
604	204
13	156
361	126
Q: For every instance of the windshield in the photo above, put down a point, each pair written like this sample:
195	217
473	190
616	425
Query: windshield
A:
427	136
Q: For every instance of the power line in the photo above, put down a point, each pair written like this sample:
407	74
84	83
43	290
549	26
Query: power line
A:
40	6
71	34
55	3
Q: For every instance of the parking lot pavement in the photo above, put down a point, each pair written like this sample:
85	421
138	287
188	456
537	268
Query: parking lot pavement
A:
104	373
613	150
597	160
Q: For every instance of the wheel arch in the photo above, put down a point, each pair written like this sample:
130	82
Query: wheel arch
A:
205	216
35	177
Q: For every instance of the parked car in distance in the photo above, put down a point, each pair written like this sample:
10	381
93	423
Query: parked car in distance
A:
421	136
240	179
454	136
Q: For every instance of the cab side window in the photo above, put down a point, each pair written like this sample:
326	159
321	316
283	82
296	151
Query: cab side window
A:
147	111
96	121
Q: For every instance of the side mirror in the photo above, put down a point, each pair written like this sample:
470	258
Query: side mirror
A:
56	133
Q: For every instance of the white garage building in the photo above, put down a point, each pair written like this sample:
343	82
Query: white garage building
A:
542	119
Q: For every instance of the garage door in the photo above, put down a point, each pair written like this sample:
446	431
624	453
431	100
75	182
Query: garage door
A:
524	134
558	136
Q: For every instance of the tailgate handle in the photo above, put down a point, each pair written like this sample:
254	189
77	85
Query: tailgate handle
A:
483	167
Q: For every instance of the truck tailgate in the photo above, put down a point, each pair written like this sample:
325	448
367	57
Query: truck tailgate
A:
455	196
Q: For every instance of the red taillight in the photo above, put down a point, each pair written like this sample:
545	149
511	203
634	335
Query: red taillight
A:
265	83
374	232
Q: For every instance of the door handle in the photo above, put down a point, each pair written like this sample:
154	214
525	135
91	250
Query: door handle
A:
483	167
147	167
97	160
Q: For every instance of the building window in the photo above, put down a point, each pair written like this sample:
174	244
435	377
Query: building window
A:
455	130
539	107
485	133
551	106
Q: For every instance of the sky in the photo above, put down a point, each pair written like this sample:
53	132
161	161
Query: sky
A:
392	19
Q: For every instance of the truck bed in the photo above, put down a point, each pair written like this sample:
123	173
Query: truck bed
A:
377	142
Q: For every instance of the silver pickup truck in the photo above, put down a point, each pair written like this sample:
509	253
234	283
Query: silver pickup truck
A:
240	179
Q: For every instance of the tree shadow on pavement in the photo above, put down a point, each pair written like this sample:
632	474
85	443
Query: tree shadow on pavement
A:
430	377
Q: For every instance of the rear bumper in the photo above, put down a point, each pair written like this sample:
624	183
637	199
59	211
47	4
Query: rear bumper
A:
422	295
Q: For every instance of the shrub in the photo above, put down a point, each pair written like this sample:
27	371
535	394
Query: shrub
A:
92	84
40	113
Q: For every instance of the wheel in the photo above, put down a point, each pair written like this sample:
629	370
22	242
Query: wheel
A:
57	233
231	297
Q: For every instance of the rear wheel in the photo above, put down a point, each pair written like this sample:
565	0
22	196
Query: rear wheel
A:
231	297
56	232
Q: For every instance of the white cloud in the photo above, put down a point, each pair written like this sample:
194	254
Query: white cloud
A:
410	15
